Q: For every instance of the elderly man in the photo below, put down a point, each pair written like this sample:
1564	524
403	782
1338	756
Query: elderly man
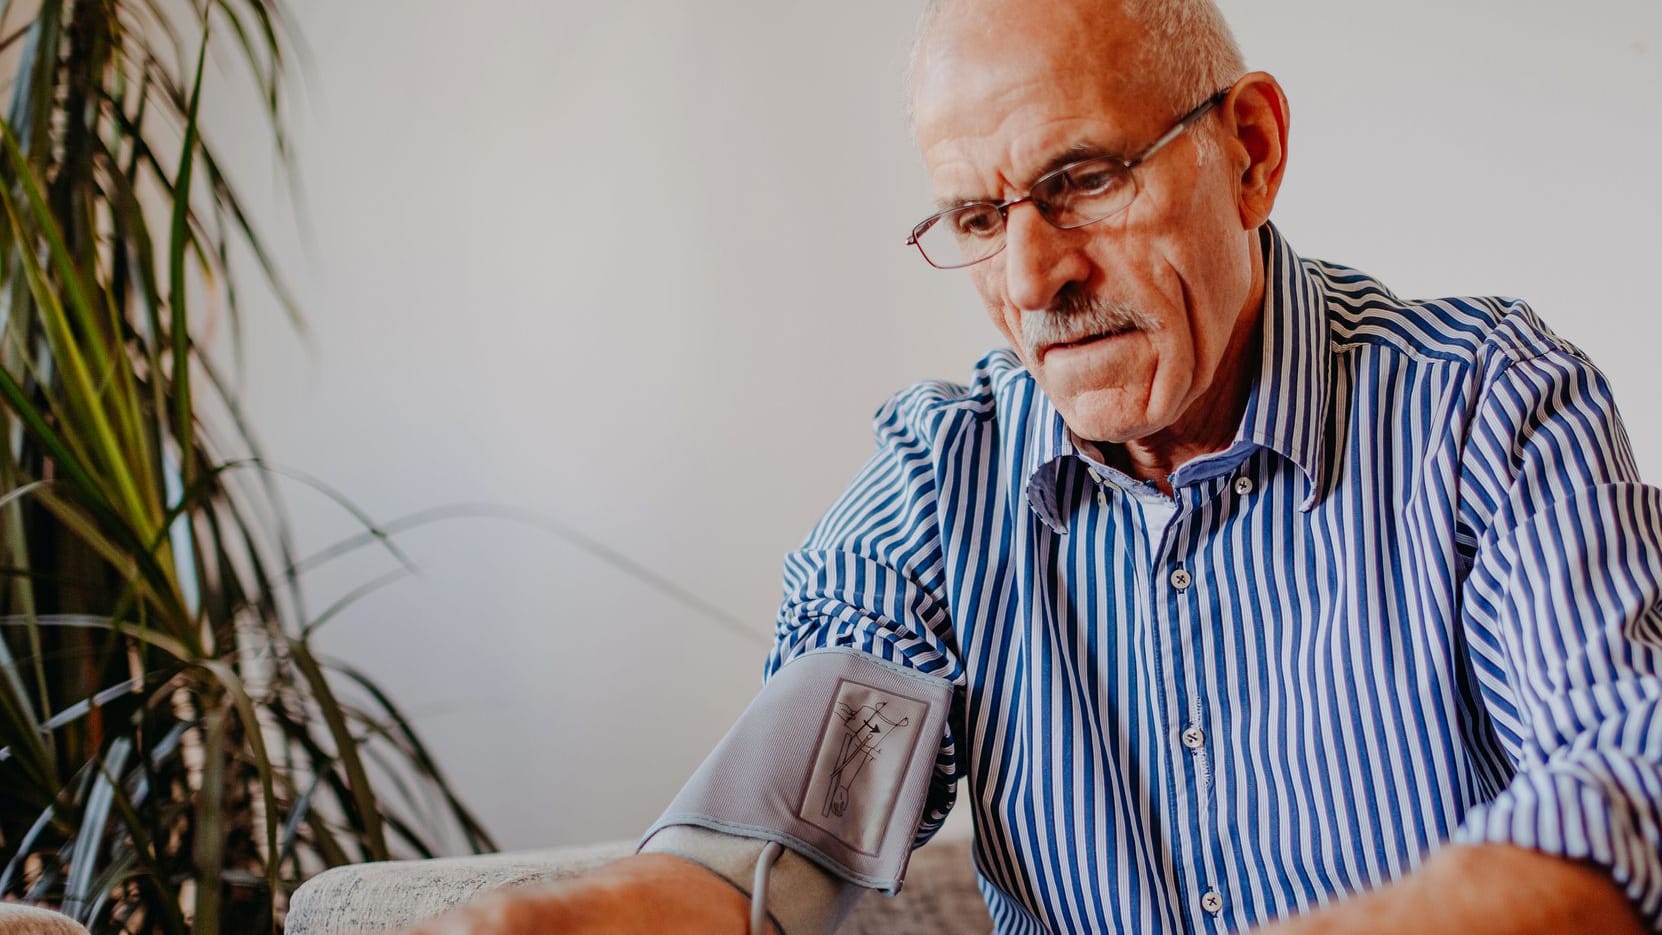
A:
1254	595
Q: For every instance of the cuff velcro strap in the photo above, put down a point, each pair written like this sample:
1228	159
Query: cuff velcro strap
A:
832	759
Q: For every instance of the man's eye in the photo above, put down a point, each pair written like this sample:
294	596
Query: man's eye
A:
982	222
1091	180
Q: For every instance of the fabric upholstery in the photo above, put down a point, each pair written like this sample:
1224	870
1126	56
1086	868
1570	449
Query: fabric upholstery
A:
940	896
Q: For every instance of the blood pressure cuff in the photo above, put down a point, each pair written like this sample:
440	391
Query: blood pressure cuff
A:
832	760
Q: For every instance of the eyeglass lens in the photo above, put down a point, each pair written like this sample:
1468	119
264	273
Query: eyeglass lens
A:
1071	197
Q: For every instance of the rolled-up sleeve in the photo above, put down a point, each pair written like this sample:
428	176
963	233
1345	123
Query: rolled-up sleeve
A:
1563	615
870	575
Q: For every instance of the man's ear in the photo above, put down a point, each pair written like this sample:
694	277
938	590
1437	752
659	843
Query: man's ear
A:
1255	116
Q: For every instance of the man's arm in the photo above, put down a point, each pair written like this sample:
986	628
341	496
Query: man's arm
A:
1562	619
1490	888
867	580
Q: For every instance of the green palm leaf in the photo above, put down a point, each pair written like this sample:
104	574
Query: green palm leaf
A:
173	755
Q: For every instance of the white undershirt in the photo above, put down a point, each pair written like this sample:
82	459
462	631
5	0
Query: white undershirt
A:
1155	508
1156	512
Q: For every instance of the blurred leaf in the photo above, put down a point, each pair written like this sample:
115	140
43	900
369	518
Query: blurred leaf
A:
184	420
477	837
346	749
83	861
210	826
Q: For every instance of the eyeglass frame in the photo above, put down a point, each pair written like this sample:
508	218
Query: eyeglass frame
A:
1127	165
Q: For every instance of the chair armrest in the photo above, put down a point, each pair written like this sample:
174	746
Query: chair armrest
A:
940	894
397	894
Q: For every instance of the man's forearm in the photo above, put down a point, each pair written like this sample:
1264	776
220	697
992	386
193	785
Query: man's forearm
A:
647	894
1491	889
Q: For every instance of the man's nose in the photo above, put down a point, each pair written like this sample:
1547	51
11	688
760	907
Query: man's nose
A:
1039	258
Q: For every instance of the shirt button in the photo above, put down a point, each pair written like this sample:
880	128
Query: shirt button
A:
1243	485
1180	580
1194	738
1212	901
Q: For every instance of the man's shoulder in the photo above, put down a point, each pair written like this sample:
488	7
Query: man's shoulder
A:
933	411
1478	331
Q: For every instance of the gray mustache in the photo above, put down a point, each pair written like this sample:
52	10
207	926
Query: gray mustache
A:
1076	316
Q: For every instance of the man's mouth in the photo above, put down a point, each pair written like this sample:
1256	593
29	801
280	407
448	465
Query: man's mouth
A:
1082	341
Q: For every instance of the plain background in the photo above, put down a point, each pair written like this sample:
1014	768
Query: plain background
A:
636	267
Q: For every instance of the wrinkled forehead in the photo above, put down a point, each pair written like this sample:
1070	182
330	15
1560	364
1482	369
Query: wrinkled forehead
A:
999	88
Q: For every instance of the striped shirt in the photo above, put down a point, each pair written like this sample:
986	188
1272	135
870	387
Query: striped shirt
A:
1414	601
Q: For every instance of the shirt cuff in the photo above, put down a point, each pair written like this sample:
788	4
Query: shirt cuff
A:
802	898
1600	808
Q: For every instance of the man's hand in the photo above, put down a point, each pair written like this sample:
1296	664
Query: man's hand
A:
1490	889
645	894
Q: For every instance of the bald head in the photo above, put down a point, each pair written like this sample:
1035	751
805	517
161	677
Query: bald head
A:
1173	52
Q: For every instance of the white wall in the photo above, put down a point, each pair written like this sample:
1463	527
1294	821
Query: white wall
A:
637	267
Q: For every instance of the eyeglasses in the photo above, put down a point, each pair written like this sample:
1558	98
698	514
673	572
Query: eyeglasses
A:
1068	198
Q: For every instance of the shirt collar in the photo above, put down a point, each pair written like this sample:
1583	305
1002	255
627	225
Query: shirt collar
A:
1052	446
1286	409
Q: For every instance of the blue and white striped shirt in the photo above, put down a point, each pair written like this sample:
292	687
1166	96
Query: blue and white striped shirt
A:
1414	601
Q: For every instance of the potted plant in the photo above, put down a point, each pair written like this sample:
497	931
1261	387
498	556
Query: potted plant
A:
173	752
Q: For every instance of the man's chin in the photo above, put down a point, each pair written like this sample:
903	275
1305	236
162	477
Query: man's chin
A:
1111	417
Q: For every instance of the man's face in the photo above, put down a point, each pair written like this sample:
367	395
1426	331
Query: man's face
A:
1124	322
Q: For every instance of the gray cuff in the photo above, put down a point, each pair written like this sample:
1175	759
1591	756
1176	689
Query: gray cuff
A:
832	760
802	898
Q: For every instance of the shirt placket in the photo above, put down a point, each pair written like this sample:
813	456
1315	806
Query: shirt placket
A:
1178	588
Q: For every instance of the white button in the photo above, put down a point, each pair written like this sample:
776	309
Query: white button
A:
1243	485
1211	901
1180	580
1194	738
1101	497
